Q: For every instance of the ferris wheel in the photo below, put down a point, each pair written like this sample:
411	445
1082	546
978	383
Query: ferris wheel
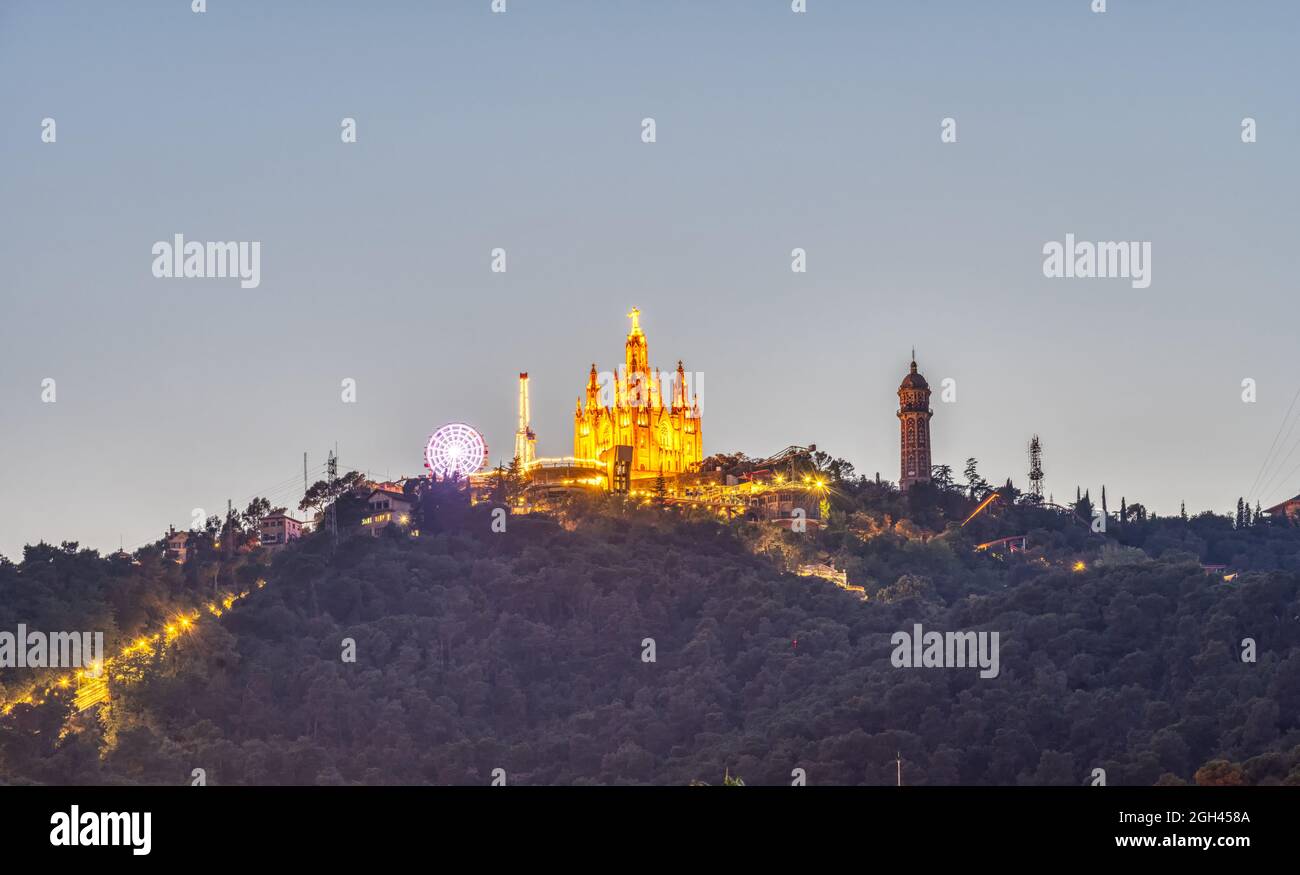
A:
455	450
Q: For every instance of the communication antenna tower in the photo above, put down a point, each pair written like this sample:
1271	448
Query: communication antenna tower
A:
1036	467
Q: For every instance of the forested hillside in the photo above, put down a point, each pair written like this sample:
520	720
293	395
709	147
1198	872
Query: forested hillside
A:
524	650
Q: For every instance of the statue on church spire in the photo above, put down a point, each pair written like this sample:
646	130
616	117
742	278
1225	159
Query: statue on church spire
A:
637	361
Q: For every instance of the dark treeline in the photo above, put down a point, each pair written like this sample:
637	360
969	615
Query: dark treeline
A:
523	650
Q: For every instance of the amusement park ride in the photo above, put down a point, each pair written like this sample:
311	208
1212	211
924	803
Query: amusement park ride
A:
454	451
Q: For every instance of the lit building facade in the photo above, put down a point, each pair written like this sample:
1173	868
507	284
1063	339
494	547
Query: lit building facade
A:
178	545
278	529
914	429
386	507
1289	508
664	434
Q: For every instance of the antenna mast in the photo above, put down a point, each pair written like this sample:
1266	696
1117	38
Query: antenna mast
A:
1036	467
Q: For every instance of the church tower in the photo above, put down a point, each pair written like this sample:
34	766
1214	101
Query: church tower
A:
914	428
656	431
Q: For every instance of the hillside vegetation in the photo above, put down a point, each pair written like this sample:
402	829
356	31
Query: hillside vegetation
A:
525	650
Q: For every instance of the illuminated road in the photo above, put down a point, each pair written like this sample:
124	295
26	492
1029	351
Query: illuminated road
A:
129	665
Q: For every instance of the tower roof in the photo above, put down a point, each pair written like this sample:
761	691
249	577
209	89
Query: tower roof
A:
913	380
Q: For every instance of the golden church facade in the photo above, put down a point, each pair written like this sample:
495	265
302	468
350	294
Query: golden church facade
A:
663	430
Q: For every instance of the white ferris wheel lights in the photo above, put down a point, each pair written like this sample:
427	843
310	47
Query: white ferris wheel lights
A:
455	449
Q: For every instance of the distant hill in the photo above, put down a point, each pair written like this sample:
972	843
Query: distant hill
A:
524	651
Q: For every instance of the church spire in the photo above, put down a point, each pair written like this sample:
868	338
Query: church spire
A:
637	360
593	389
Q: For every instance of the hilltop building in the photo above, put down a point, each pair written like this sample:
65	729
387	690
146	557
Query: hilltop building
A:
178	548
385	506
914	428
1289	508
640	428
278	528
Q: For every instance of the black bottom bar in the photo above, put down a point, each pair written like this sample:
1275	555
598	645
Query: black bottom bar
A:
637	825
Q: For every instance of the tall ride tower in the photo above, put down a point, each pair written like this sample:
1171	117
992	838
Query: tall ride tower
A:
525	439
914	428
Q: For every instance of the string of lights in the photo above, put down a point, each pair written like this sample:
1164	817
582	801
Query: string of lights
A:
131	664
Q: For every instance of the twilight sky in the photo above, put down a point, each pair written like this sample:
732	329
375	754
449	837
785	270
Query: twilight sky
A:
523	131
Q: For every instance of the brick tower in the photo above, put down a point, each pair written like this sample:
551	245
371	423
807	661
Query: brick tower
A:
914	428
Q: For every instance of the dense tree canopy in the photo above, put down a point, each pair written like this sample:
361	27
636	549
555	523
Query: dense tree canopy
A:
525	650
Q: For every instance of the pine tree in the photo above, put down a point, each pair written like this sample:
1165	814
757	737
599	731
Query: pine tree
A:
1083	507
975	484
514	478
1182	510
500	492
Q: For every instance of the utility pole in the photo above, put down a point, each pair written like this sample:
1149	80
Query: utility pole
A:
230	528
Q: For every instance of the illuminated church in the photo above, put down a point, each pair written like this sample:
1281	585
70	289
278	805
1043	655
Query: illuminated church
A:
641	426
